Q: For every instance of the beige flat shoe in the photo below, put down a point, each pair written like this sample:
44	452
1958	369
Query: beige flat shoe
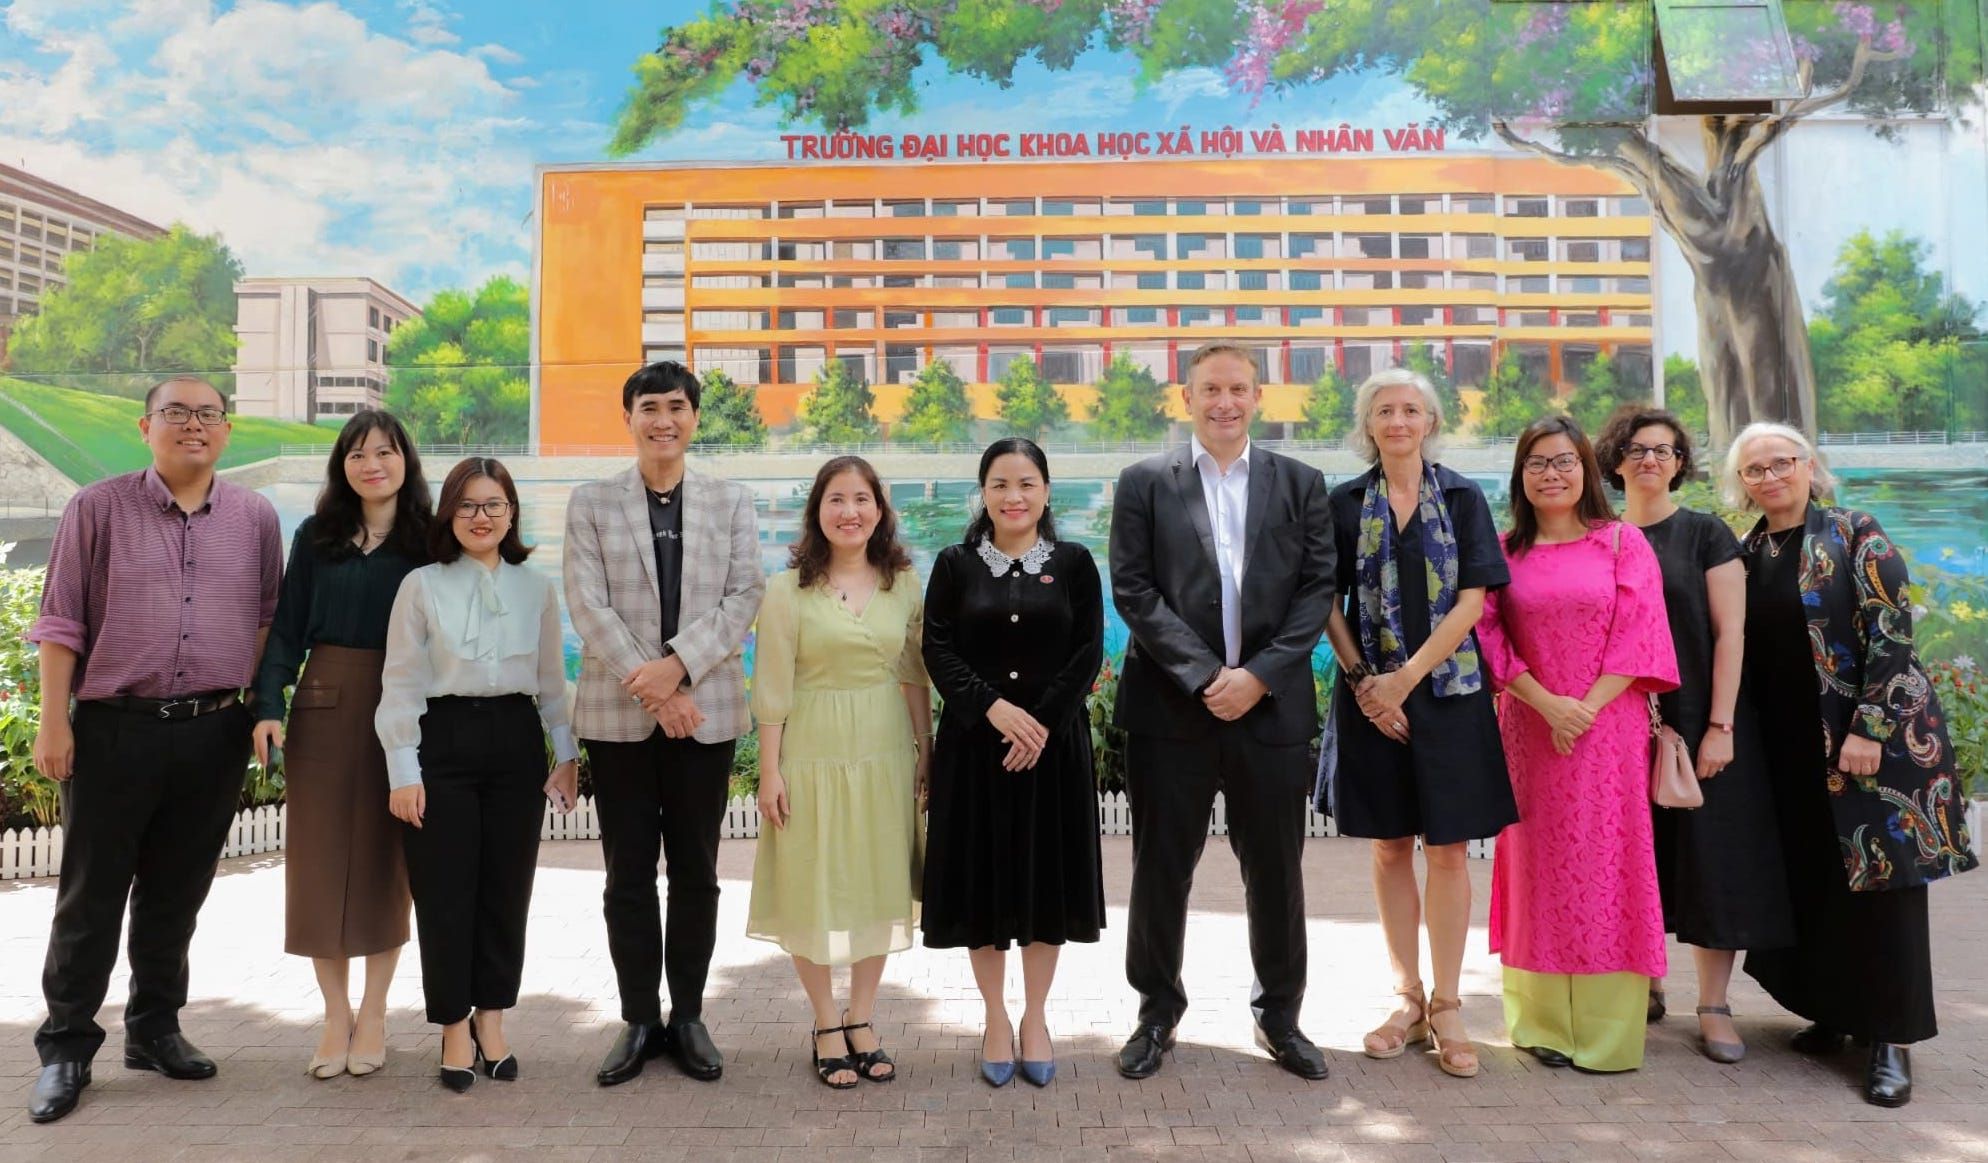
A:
360	1065
1393	1036
322	1068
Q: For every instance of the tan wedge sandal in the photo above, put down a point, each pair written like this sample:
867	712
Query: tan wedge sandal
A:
1458	1057
1392	1037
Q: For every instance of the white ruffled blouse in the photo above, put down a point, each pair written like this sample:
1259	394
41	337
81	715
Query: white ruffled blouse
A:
464	629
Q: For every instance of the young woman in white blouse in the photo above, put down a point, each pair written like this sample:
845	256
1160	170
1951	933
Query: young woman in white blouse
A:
473	640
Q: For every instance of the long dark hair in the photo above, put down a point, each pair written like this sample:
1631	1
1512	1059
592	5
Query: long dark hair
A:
1592	507
809	556
341	514
982	524
442	543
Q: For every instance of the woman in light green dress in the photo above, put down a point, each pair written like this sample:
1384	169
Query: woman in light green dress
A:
845	727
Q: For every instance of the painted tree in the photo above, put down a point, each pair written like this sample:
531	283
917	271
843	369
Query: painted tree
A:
1512	399
841	409
1328	407
1422	359
936	411
1684	393
1603	389
460	372
134	312
728	412
1892	345
1579	73
1131	403
1030	405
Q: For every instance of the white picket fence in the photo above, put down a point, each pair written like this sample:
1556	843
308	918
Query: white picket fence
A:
30	852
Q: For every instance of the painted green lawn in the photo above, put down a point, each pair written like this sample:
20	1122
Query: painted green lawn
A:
89	436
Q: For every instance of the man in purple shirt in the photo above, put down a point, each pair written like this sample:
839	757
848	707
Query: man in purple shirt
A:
161	587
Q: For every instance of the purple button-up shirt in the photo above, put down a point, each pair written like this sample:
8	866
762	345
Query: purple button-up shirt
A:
157	602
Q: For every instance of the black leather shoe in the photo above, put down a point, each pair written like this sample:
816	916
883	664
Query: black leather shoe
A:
1817	1039
171	1055
1548	1056
690	1044
1144	1051
57	1090
1889	1080
638	1044
1294	1052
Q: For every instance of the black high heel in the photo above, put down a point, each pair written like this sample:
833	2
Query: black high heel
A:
825	1067
867	1061
505	1069
461	1078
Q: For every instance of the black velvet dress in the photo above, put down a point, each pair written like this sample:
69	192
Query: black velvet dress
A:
1719	866
1861	962
1013	856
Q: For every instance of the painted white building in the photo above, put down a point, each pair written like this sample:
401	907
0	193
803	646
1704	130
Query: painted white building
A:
313	348
41	224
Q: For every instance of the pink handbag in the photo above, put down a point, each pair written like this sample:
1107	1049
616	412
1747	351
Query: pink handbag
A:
1673	777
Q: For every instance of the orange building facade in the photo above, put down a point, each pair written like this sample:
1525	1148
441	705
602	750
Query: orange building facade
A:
766	272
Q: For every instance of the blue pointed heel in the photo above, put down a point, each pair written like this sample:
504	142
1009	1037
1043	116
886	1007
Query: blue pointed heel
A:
996	1074
1040	1073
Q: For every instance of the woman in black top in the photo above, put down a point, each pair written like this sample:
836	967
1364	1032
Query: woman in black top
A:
1411	745
344	874
1719	866
1014	635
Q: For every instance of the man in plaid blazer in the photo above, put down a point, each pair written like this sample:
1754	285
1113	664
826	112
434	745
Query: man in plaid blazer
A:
663	582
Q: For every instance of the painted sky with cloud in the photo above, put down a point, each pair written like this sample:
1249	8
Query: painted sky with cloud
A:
397	138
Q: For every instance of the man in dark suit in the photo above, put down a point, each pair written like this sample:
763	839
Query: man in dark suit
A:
1221	566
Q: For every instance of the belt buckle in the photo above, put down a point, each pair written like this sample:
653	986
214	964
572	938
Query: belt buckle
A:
166	708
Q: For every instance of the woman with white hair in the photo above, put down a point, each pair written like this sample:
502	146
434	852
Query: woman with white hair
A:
1869	806
1411	747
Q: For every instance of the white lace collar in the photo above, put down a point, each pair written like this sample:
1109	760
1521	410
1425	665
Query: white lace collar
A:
999	563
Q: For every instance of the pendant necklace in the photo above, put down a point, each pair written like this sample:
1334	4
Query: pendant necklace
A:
1775	546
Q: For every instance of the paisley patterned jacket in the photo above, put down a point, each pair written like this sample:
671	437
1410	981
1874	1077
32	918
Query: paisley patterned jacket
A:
1906	825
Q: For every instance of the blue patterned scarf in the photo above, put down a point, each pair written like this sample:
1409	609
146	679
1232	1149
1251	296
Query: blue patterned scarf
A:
1379	614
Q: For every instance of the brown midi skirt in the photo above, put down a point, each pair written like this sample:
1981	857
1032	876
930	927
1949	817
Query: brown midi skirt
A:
345	877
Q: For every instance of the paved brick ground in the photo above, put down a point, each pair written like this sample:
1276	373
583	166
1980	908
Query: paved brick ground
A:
1218	1098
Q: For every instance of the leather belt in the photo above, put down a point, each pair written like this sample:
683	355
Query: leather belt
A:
182	707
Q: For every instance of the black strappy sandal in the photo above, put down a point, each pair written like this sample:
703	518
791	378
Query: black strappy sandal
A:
825	1067
867	1061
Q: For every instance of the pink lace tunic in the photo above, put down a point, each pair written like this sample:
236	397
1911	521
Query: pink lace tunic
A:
1574	885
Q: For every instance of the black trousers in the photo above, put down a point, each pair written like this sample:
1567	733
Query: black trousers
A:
144	816
471	862
1171	786
661	796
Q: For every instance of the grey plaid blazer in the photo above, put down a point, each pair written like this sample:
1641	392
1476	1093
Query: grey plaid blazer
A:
611	595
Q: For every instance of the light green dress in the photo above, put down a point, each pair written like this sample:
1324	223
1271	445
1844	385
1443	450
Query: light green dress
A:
837	884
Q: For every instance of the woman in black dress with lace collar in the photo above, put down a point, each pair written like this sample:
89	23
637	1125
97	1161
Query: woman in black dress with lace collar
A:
1014	635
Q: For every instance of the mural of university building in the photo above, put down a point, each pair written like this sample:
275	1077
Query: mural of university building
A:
767	272
41	223
313	349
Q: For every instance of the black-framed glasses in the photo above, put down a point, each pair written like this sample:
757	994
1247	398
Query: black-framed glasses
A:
1564	463
1663	452
469	509
178	414
1778	468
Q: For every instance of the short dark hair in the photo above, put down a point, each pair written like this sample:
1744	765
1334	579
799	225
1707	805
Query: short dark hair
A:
442	543
340	511
1615	436
660	379
152	393
982	525
808	556
1591	507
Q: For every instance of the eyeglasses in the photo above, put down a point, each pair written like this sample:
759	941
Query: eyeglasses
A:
1778	468
178	414
1564	463
469	509
1635	452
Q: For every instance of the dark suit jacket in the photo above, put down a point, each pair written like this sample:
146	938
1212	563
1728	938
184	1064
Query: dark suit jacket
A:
1165	583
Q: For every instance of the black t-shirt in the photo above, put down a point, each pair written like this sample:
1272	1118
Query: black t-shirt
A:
666	525
1687	544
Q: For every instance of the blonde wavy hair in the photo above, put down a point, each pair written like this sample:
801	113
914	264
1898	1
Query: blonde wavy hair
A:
1822	482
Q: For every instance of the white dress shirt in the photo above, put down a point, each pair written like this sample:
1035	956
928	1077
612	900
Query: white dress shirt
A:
1227	496
464	629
